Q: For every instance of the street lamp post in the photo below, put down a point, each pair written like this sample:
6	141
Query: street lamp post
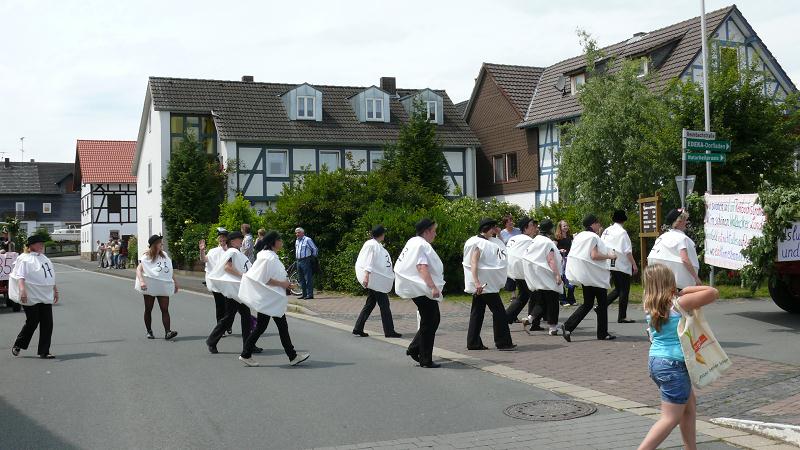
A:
706	107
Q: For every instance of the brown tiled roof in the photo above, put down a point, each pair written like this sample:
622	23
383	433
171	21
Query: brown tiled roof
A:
517	83
254	112
461	107
104	161
548	104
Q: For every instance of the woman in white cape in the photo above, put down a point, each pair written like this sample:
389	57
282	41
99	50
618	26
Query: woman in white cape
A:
155	279
374	271
211	258
542	269
263	288
32	284
677	251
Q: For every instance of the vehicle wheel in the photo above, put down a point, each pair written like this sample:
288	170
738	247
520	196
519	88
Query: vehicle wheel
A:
782	293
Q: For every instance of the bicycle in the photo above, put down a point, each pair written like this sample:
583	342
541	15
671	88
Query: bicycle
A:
294	279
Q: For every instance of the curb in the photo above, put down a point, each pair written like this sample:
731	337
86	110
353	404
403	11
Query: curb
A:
787	433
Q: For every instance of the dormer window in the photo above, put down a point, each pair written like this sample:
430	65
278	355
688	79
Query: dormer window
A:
643	67
431	111
375	109
576	82
305	107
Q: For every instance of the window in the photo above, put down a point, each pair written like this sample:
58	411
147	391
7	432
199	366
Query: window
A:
576	82
19	207
644	64
277	163
149	226
114	203
47	208
201	128
305	107
374	109
431	108
329	159
149	175
375	159
505	167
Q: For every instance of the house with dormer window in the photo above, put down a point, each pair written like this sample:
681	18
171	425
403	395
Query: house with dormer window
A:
274	131
550	98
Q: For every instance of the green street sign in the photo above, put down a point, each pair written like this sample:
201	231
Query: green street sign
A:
703	144
705	157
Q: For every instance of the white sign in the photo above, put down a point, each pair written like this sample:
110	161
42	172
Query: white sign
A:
699	134
731	221
6	264
789	250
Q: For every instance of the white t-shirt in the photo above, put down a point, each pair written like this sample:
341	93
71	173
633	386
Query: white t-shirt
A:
227	283
157	276
516	249
40	278
667	251
581	268
537	271
408	282
254	290
212	258
492	265
616	238
374	258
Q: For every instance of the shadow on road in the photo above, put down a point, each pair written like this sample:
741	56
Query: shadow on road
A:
780	318
313	364
21	431
72	356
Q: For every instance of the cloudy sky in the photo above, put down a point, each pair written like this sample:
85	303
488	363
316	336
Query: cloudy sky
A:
78	69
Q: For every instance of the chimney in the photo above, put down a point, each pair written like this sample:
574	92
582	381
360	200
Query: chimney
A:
389	84
32	160
247	78
7	163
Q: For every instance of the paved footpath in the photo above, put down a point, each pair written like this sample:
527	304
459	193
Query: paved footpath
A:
610	373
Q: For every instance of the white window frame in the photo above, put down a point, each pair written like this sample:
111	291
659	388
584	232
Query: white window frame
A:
329	152
286	165
435	111
377	109
306	99
47	208
373	160
506	173
644	67
149	226
19	207
149	176
574	84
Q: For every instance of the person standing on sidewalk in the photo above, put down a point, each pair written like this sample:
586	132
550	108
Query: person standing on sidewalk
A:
564	244
616	238
263	288
587	267
677	251
211	259
155	279
247	243
516	249
542	271
374	272
666	363
419	275
485	270
304	252
32	284
101	250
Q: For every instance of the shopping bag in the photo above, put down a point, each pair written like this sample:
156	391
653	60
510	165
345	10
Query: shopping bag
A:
705	359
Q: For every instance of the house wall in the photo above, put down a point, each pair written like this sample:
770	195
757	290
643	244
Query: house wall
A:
98	223
65	209
155	153
549	146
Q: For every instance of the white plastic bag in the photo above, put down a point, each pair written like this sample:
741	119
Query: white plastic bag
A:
705	359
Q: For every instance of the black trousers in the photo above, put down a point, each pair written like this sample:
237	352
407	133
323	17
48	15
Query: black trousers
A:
422	344
516	305
382	300
219	305
590	294
545	306
261	326
231	308
37	315
622	289
502	335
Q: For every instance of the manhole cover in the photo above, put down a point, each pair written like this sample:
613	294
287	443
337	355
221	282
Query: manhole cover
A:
549	410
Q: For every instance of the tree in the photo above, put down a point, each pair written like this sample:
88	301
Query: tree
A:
417	157
193	189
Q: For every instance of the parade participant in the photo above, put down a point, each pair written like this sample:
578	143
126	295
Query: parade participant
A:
485	270
677	251
616	238
211	259
155	279
666	363
263	288
419	275
564	243
32	284
374	272
587	267
304	252
542	271
227	276
516	248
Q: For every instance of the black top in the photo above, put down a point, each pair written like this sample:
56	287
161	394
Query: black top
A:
259	246
565	243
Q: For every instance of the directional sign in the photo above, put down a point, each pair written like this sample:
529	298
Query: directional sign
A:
699	134
705	157
708	145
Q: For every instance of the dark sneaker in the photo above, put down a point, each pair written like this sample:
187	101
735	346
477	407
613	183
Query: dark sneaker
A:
431	365
413	356
567	335
47	356
509	348
394	335
258	350
360	333
212	349
170	335
15	351
149	335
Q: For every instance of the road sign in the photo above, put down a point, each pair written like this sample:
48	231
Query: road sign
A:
685	186
708	145
705	157
699	134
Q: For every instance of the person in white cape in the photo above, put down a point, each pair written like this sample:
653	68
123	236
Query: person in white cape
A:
677	251
263	288
587	267
485	271
419	276
32	284
211	258
515	247
226	277
374	271
623	268
155	279
542	270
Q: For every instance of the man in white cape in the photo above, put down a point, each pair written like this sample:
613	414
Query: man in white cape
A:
374	271
624	267
542	271
677	251
515	247
211	259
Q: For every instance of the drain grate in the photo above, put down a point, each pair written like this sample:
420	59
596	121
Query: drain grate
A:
550	410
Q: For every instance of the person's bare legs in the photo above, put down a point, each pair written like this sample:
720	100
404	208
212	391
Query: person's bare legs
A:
671	416
688	423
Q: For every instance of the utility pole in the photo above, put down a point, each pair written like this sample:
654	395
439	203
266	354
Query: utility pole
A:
22	149
706	107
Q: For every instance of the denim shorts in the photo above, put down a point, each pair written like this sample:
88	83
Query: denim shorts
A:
672	379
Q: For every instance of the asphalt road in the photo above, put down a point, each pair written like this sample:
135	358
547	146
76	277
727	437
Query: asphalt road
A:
112	388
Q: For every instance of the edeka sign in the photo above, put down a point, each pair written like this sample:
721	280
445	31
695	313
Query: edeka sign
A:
789	249
730	222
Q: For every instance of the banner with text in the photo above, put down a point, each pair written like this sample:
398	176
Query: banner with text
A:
789	248
731	221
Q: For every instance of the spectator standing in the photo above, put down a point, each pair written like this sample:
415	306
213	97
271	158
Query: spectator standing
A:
247	243
123	254
304	252
115	254
101	254
259	242
509	230
616	238
564	244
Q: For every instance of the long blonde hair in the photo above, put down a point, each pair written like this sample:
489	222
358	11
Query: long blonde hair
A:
659	290
560	234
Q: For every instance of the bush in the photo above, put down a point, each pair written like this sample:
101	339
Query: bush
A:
133	250
185	251
231	216
42	231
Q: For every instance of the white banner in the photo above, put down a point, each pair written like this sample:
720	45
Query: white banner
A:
789	250
6	264
731	221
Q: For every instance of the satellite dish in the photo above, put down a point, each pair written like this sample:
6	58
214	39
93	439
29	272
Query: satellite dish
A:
561	83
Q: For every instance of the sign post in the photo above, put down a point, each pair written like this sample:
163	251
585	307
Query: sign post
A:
649	224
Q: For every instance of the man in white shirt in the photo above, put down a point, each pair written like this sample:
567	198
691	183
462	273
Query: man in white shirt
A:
374	272
304	252
247	243
624	267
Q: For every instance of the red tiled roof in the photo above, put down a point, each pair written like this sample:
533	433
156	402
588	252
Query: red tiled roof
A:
104	161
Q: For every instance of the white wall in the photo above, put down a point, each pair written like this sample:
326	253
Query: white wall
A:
87	238
525	200
155	151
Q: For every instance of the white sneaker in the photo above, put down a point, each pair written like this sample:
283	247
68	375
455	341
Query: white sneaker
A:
553	331
299	358
248	362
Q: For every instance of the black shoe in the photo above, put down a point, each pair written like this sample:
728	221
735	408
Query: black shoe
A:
170	335
413	356
15	351
482	347
536	328
309	298
394	334
360	333
567	335
212	349
149	335
258	350
508	348
608	337
47	356
229	331
430	365
626	321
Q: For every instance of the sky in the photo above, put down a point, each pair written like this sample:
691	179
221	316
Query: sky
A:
78	69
